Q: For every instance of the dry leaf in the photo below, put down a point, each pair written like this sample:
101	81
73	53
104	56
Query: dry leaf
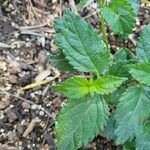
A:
42	75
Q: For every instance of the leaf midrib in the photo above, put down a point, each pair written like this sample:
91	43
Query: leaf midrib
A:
84	46
86	112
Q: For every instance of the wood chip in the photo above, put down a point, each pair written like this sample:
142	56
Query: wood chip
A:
29	128
7	147
3	45
42	75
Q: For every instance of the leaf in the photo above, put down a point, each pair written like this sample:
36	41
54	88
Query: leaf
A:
80	121
129	145
77	87
109	130
81	44
118	68
121	59
143	45
114	97
133	107
135	4
143	139
120	16
59	61
108	84
141	72
120	55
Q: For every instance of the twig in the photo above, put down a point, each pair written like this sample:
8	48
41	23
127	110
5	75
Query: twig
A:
60	5
32	33
45	90
33	27
28	101
33	85
103	27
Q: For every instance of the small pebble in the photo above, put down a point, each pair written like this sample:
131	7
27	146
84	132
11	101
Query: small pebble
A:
25	79
25	105
12	136
11	106
14	67
20	129
1	116
13	79
33	107
41	113
2	130
11	116
3	104
42	57
32	95
29	146
26	110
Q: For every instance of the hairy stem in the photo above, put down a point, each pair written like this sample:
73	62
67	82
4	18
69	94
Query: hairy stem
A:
103	27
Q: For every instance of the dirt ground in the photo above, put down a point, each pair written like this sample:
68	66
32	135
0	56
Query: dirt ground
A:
28	111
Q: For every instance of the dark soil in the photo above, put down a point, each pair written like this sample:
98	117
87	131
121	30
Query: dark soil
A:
27	116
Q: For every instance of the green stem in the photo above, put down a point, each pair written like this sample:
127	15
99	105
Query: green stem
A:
103	27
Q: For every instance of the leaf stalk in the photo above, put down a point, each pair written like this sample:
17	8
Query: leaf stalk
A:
103	27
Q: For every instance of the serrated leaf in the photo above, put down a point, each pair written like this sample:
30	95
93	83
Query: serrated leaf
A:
120	55
121	59
143	139
81	44
133	107
120	16
143	45
80	121
141	72
119	69
109	130
59	61
77	87
108	84
129	145
114	97
135	4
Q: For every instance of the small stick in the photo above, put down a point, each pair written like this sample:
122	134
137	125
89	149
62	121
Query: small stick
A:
33	85
32	27
60	5
31	33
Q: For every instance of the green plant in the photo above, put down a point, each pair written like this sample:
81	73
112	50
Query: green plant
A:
121	80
